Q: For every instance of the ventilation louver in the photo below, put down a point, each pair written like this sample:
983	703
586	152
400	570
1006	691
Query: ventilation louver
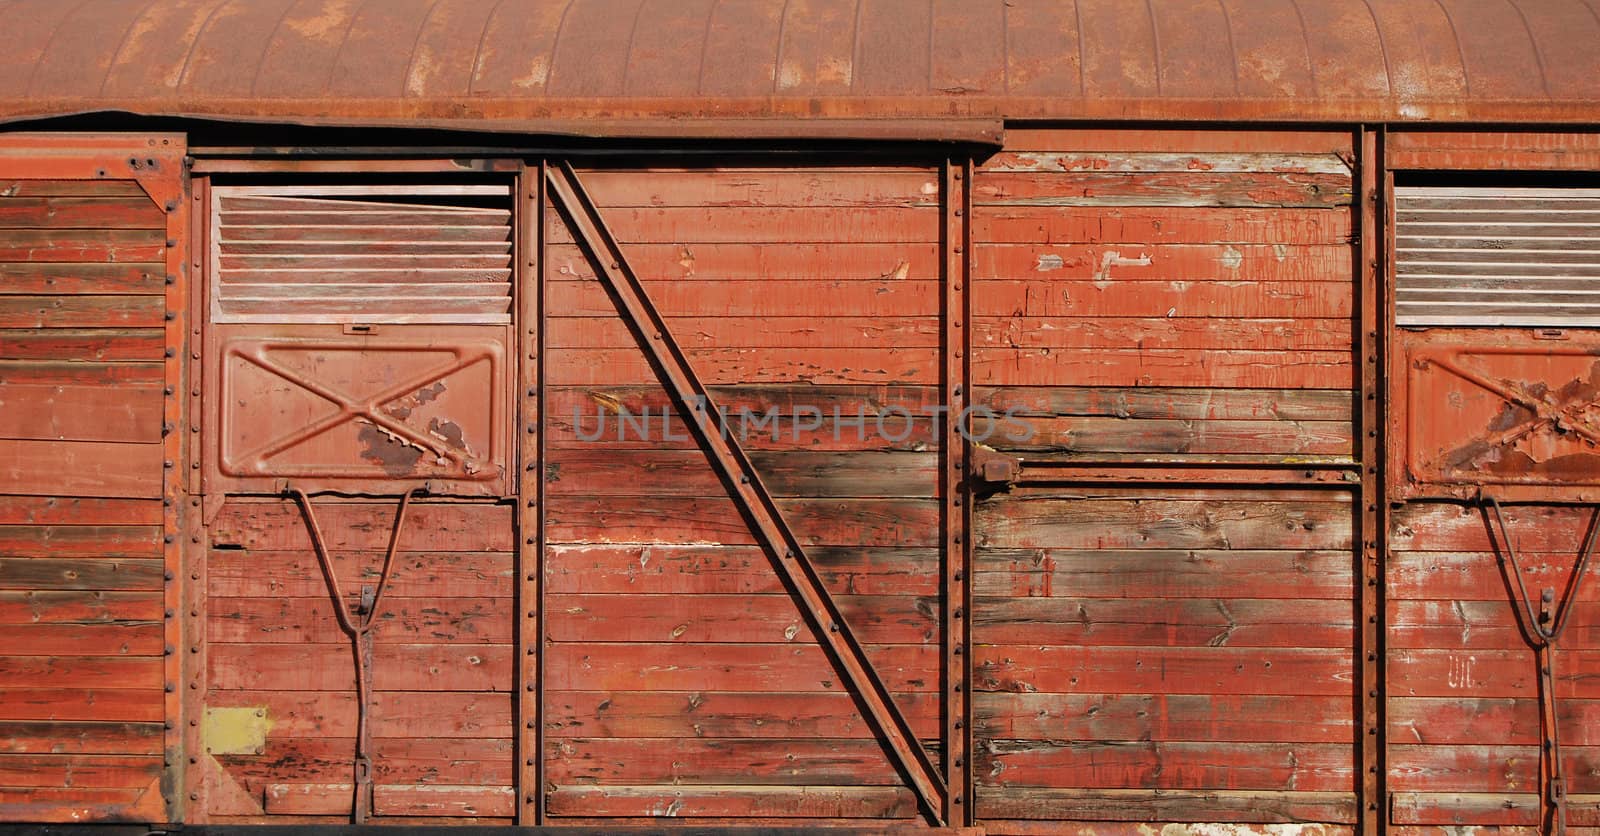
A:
1497	256
361	254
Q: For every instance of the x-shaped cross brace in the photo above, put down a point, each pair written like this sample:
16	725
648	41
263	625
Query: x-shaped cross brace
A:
353	409
1568	416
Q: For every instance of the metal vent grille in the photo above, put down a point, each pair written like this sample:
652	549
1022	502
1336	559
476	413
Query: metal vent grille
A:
1497	256
361	254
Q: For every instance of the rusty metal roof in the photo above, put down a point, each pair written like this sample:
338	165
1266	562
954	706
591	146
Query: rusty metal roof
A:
800	67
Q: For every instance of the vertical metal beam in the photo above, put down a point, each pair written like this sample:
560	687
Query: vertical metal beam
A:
1371	505
192	610
954	493
164	181
745	487
528	284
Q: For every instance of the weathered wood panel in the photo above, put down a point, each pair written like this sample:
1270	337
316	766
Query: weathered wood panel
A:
82	315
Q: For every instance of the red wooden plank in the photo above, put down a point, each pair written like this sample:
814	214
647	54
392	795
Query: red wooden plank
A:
594	366
690	520
850	401
1502	813
63	212
56	541
366	526
1145	435
666	570
1448	527
74	373
603	470
237	573
1490	768
107	672
1162	333
328	667
701	334
1471	674
1476	576
1184	622
1162	367
1179	225
435	800
55	510
78	805
735	619
81	468
721	714
39	607
476	762
1163	717
80	413
809	188
1175	261
70	188
1118	523
93	738
79	345
1198	188
1194	404
1309	767
739	802
699	298
83	639
47	277
1466	625
431	620
752	225
80	311
1164	299
1202	573
1044	811
705	760
1464	721
1161	670
77	771
63	704
1233	159
741	261
144	246
726	667
396	714
38	573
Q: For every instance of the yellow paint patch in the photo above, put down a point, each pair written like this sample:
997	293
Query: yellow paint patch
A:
237	731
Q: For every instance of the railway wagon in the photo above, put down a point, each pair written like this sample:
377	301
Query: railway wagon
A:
1033	416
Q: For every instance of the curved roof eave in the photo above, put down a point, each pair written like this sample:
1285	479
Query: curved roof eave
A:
895	69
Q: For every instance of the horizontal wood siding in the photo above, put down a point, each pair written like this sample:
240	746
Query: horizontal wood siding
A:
441	712
680	677
1463	695
81	569
1147	653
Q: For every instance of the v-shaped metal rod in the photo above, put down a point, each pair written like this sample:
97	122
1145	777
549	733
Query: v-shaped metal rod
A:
1542	628
745	487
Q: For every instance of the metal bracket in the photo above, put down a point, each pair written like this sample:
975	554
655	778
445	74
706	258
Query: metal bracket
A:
1542	628
359	631
746	489
993	469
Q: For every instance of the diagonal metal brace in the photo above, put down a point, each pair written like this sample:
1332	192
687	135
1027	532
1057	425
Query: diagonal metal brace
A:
745	487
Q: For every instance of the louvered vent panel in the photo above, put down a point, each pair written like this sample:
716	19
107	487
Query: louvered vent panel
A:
1497	256
414	254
